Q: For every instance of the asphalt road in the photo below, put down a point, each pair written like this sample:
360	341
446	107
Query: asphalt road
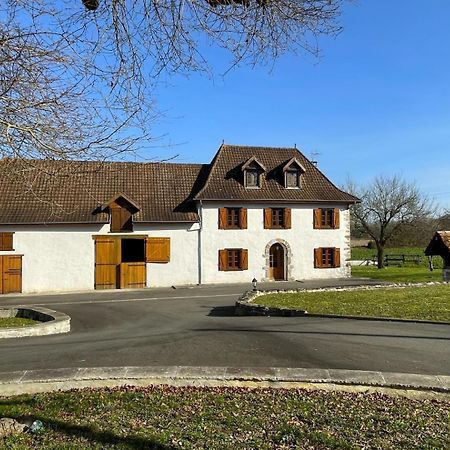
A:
196	327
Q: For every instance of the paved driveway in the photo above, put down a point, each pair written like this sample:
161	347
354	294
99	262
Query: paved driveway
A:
196	327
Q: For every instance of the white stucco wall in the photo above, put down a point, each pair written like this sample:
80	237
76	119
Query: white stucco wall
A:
58	258
55	257
302	238
183	265
62	257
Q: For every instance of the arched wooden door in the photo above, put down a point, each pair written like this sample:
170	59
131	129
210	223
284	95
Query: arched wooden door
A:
276	262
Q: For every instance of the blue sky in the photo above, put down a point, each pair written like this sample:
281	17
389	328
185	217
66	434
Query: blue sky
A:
377	101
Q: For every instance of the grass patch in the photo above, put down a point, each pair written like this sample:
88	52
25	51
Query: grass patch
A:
167	418
16	322
414	274
422	303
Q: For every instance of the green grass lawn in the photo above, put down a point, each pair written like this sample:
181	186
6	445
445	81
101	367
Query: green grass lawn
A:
398	274
16	322
167	418
423	303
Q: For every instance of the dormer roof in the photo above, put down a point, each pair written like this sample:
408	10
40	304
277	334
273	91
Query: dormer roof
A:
251	162
121	199
293	162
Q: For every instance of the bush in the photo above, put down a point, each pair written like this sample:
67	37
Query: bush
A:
371	245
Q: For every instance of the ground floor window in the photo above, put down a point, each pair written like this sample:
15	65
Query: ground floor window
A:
326	257
233	259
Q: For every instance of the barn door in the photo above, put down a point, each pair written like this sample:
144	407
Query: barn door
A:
107	260
11	274
133	275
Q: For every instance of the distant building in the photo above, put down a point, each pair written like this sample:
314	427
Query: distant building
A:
440	246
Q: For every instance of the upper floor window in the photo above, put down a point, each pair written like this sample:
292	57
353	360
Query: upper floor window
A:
277	218
232	218
6	241
326	218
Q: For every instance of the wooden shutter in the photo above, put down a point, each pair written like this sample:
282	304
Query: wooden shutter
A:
6	241
222	218
317	257
1	274
107	259
116	217
337	257
336	218
243	259
11	273
157	250
243	218
267	218
317	218
223	260
287	217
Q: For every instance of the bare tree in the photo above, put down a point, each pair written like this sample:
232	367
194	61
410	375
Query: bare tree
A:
76	81
387	204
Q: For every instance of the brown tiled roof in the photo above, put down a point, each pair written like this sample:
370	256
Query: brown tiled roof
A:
225	180
163	191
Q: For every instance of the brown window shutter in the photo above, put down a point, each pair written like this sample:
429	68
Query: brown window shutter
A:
287	217
116	217
317	218
243	259
6	241
337	257
223	259
157	250
267	218
222	218
243	218
317	257
336	218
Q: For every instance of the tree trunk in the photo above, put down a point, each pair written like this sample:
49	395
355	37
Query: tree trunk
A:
380	256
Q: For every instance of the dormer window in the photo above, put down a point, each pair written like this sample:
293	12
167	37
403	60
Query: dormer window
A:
121	210
292	174
252	178
253	171
292	179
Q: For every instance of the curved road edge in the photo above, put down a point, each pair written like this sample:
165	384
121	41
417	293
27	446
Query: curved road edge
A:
34	381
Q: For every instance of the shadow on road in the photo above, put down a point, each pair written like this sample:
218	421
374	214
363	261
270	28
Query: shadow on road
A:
222	311
265	330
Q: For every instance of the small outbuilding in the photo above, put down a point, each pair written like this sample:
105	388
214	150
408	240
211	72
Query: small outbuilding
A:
440	246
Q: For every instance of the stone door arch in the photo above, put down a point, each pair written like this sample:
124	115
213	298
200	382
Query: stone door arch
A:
287	259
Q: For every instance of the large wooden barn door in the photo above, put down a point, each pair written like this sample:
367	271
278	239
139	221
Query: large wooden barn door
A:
10	274
107	260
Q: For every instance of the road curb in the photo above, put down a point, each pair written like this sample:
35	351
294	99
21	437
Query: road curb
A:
51	322
244	306
33	381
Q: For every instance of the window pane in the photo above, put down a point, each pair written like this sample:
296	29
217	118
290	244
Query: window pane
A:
277	217
292	178
252	178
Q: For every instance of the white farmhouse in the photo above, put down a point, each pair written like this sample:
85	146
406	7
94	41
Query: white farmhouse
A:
253	212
